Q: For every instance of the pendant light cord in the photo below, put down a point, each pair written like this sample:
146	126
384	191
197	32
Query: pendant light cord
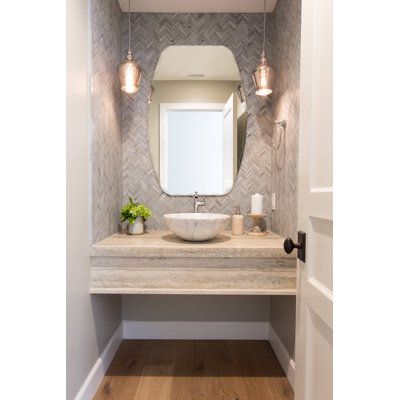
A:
265	8
129	27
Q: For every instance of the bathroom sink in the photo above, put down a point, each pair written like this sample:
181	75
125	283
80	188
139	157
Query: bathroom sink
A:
196	227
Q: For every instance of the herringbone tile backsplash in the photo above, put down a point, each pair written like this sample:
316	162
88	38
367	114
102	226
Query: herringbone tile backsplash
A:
106	140
285	99
286	60
121	160
152	33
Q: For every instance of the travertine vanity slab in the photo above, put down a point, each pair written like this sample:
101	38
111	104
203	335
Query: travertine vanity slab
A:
159	262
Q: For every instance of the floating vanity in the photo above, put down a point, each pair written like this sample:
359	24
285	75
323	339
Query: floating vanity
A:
158	262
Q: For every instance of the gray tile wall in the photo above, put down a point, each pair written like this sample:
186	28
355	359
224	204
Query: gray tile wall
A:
286	60
151	34
121	162
106	106
285	100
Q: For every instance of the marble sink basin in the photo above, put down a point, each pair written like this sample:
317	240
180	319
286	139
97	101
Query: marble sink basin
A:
196	227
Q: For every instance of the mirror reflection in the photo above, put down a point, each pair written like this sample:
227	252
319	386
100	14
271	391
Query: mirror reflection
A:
197	120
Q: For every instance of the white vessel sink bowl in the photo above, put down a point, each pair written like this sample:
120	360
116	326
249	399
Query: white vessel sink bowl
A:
196	227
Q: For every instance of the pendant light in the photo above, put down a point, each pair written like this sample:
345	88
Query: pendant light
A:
128	71
263	75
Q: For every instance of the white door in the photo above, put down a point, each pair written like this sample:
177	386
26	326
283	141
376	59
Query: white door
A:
315	291
230	142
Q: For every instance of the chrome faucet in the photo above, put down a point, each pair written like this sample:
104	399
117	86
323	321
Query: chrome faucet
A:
197	202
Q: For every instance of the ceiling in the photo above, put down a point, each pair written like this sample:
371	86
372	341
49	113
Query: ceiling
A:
210	63
192	6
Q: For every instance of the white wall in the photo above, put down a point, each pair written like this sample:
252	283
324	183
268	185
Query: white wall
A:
90	320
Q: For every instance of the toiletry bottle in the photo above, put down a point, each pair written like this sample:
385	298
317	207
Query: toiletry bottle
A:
237	222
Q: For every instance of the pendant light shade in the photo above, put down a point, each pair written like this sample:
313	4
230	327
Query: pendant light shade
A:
129	71
263	75
129	75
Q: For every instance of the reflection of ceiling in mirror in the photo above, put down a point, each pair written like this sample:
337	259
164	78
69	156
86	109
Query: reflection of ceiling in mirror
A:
211	63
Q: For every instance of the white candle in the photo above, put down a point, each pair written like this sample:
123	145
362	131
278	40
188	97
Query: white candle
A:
257	204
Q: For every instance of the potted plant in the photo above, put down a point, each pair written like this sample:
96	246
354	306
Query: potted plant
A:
135	214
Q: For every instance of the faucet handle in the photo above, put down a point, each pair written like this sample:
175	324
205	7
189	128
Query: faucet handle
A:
196	195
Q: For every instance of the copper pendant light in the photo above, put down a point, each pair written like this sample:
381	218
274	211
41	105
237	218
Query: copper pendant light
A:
129	72
263	75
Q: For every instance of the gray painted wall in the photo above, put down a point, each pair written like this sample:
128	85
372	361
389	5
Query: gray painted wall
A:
283	320
286	60
196	308
90	320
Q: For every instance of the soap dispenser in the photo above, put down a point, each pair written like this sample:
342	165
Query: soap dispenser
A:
237	222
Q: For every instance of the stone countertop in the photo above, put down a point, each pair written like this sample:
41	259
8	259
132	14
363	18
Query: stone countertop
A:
158	262
167	245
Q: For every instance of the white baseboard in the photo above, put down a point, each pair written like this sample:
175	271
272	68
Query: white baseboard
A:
282	355
198	330
93	380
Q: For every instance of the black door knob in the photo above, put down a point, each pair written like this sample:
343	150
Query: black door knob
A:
289	245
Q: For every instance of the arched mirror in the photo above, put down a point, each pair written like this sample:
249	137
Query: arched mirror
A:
197	120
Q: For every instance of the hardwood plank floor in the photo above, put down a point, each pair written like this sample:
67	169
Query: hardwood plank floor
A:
194	370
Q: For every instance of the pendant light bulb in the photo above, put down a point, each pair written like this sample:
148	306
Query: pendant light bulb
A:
129	72
129	75
263	75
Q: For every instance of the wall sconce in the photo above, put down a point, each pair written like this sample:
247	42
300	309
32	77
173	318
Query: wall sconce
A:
239	91
150	100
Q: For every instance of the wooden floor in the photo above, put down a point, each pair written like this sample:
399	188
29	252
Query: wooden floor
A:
195	369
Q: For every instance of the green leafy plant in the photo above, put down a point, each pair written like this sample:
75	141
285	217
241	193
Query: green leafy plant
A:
131	211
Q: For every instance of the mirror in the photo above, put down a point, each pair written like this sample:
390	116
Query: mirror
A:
197	120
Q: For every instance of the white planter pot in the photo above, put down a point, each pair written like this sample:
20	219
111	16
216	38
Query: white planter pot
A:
137	228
